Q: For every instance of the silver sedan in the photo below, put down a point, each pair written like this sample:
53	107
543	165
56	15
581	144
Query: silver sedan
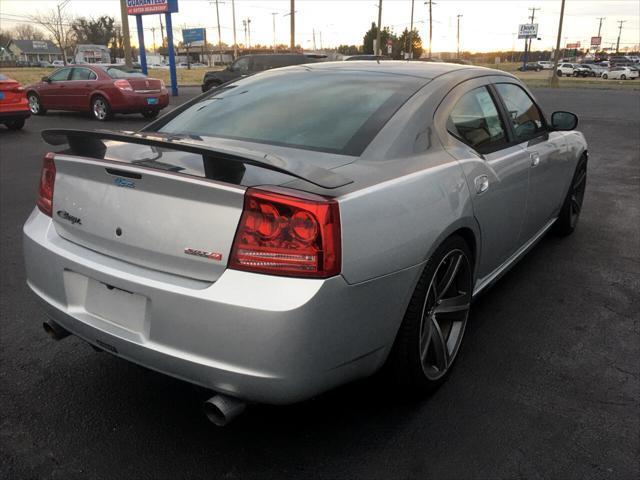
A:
298	229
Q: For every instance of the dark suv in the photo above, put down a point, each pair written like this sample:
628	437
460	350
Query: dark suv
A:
250	64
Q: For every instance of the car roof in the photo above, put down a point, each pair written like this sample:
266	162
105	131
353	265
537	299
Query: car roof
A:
426	70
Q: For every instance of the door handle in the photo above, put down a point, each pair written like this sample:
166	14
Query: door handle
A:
535	159
482	184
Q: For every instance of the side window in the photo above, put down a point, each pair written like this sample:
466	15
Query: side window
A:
60	75
475	121
525	116
261	63
241	65
81	74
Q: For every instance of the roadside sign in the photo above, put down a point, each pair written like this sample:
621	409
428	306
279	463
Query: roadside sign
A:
528	30
389	48
194	37
146	7
573	45
596	41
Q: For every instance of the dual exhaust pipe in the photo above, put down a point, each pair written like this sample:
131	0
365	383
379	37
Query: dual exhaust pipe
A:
219	409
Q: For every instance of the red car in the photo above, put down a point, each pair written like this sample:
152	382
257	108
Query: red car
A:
14	108
100	89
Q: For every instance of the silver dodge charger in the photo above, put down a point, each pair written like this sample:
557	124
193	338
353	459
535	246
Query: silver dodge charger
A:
301	228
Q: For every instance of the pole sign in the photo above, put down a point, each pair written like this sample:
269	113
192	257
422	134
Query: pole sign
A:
596	41
528	30
194	37
147	7
573	45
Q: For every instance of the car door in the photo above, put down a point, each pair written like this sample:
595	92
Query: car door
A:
52	93
497	171
547	153
81	83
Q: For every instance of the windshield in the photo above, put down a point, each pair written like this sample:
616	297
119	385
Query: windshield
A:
331	111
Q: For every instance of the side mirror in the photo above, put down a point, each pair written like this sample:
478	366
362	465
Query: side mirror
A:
45	79
563	121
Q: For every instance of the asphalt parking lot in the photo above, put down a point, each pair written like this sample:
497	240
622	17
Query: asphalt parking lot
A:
547	384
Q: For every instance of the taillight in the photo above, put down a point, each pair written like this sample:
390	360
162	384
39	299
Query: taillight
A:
282	234
18	89
47	179
123	84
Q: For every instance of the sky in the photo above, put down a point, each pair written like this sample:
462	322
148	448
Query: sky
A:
485	25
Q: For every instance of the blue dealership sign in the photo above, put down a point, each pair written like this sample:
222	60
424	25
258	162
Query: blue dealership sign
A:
192	35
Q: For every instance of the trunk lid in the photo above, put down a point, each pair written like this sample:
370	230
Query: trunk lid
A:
152	218
143	85
160	202
12	92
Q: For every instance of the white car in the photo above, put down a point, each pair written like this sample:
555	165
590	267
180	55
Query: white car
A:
620	73
57	63
546	64
566	69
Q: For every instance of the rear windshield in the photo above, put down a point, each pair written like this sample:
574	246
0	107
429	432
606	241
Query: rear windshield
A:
3	77
329	111
117	72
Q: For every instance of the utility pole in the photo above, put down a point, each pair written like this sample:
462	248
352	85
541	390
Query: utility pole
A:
378	50
430	3
244	25
411	34
459	35
219	32
292	13
556	55
161	30
235	42
124	14
153	32
600	24
314	39
249	31
600	19
273	15
321	48
532	17
619	34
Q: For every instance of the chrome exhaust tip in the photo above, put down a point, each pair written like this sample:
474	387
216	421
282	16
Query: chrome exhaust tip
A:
221	410
54	330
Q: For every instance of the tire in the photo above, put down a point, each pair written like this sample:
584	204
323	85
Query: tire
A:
623	77
575	74
35	107
559	72
420	359
15	124
150	114
570	211
100	108
605	76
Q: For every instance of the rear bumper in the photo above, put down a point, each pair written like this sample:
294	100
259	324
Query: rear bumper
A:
256	337
132	102
7	116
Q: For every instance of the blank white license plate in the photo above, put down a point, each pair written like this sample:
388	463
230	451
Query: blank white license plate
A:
117	306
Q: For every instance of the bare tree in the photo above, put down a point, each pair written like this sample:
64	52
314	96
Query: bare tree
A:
58	25
26	31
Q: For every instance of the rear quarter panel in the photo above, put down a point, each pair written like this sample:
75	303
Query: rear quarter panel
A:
414	196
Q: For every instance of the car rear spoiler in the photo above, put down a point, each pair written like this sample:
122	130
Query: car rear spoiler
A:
89	143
